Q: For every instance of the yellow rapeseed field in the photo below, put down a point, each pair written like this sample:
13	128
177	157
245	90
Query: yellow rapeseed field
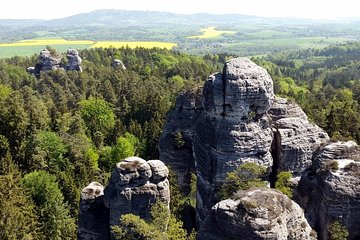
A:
117	44
211	32
46	41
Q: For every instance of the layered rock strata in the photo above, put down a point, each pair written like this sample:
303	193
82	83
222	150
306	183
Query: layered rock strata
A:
176	142
256	214
236	119
330	189
135	185
93	220
233	128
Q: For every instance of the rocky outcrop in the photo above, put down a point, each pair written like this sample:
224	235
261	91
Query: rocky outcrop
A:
74	60
234	127
93	220
118	64
295	138
256	214
330	189
50	60
236	119
175	144
135	185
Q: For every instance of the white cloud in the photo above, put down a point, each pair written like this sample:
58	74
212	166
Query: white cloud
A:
275	8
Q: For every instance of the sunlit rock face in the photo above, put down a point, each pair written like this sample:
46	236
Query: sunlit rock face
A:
256	214
330	189
135	185
93	222
234	127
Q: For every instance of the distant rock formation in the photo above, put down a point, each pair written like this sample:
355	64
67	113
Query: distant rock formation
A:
135	185
116	63
256	214
52	61
93	220
74	60
330	189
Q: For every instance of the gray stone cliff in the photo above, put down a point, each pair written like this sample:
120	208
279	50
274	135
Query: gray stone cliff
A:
93	220
330	189
135	185
74	60
256	214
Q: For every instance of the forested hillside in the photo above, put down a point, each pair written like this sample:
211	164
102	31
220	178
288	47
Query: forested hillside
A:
326	84
62	131
66	129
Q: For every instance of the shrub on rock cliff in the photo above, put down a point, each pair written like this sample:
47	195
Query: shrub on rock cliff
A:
283	183
247	175
337	231
161	227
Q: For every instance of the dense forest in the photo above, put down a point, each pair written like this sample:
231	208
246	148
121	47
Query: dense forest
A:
62	131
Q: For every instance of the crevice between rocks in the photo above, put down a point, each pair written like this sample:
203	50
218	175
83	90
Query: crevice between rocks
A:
275	153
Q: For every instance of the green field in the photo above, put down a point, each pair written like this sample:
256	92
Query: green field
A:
211	32
34	46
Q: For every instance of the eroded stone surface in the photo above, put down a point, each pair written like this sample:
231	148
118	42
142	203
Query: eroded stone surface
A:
135	185
257	213
93	222
330	190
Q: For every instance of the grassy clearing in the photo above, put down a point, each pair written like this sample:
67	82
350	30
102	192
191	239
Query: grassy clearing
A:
211	32
117	44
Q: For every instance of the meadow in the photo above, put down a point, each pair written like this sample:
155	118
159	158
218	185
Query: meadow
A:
211	32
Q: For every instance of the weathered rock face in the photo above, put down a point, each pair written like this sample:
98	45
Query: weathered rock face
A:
256	214
135	185
116	63
49	61
295	138
175	144
74	60
234	127
236	119
93	220
330	189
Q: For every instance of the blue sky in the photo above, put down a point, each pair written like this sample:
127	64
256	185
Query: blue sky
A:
315	9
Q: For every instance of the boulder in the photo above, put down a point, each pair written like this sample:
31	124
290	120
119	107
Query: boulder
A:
255	214
330	189
93	222
116	63
134	186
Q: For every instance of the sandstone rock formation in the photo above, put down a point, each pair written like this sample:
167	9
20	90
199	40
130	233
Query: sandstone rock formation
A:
52	61
175	144
255	214
234	127
330	189
236	119
49	61
74	60
135	185
295	138
93	220
116	63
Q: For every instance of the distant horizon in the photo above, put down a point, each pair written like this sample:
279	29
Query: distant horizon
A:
306	9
